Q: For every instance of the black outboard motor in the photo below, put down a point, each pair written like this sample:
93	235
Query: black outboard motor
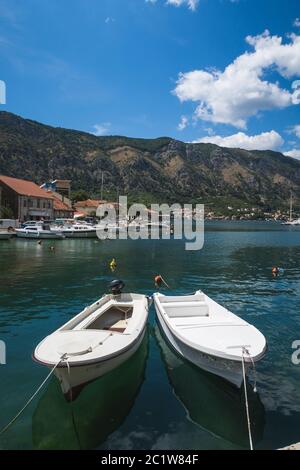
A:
116	287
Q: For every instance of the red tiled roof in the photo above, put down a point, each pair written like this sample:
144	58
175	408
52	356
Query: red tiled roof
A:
24	187
89	203
58	204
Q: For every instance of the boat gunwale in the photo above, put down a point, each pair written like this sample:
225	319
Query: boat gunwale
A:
108	299
195	347
92	361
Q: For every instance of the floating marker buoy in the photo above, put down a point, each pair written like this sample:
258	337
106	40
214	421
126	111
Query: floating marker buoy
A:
113	264
158	281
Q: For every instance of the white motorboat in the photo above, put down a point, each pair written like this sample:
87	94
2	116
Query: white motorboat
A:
208	335
75	230
292	223
96	341
40	231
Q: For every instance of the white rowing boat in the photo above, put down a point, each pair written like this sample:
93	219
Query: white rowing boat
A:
96	341
208	335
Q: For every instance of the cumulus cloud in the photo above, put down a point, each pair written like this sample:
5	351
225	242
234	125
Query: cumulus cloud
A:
297	23
242	90
191	4
265	141
296	130
295	153
109	19
183	123
101	129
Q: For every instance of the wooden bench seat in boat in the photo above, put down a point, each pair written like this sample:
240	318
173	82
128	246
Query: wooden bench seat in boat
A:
119	327
186	309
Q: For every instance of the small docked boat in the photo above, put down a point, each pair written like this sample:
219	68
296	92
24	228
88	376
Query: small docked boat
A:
208	335
38	231
97	340
75	230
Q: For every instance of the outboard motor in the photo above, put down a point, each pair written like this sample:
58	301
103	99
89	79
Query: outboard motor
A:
116	287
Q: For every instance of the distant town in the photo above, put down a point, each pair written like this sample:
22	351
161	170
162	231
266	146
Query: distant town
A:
24	200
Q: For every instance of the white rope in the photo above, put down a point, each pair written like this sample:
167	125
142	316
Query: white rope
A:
3	430
246	400
254	370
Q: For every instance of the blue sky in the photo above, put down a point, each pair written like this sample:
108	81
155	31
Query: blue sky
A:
178	68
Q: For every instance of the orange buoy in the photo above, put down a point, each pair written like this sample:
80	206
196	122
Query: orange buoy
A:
158	281
275	271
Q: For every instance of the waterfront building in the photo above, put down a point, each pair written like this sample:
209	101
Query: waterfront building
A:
25	199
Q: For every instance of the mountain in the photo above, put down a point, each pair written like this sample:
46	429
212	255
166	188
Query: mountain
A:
162	169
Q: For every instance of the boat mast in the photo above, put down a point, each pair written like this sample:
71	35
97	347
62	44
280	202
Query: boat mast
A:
291	207
102	181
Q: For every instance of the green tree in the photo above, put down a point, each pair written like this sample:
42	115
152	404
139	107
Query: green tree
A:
79	195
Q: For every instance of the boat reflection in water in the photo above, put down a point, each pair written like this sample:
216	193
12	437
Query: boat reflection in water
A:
211	402
98	411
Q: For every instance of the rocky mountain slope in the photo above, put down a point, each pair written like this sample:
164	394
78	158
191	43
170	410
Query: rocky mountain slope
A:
163	169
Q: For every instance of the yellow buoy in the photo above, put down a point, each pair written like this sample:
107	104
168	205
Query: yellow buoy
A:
113	264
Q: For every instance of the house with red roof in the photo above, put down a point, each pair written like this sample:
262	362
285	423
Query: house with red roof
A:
88	207
25	199
62	207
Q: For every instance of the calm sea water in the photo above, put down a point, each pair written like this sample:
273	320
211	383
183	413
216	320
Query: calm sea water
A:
155	400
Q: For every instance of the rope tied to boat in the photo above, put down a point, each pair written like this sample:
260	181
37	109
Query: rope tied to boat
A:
254	369
244	351
13	420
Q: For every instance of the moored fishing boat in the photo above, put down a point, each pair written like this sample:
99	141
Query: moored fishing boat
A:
97	340
208	335
41	231
75	230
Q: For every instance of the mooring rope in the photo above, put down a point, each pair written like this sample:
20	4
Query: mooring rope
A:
246	400
167	285
3	430
254	370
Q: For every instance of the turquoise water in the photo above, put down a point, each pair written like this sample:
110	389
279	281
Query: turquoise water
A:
155	400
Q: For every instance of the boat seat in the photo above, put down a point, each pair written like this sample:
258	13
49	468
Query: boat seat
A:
186	309
182	298
119	327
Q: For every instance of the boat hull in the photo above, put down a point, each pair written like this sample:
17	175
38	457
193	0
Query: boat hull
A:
231	371
78	376
42	235
90	234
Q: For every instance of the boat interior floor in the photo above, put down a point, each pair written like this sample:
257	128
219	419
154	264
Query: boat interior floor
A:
115	319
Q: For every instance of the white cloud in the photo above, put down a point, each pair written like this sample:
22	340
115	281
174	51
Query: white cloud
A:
101	129
183	123
297	23
296	130
265	141
191	4
295	153
109	19
240	91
